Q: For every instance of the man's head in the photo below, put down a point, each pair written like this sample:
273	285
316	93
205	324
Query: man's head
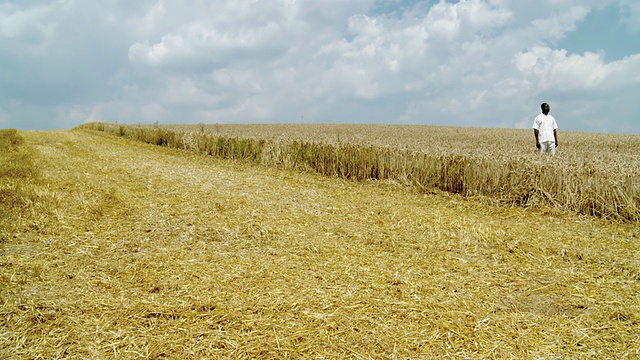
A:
545	108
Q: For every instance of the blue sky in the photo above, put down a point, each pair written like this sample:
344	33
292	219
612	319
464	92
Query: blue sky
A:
479	63
605	29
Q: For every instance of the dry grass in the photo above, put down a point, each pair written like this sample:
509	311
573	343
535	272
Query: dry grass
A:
19	189
149	252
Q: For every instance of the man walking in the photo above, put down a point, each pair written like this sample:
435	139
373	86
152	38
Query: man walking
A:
544	129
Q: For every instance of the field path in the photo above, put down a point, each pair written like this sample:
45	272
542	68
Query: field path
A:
148	252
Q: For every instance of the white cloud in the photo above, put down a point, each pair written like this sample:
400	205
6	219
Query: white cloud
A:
577	73
557	25
472	62
29	28
153	17
200	45
469	18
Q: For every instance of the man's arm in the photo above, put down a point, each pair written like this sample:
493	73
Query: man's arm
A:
555	136
535	132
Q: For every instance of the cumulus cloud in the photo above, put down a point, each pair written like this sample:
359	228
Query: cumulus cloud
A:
577	73
472	63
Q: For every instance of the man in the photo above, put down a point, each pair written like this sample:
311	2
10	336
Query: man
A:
544	129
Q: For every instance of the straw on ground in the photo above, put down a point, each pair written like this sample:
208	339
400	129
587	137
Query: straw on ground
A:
119	249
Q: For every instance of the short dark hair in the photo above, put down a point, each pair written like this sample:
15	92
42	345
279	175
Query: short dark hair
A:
543	104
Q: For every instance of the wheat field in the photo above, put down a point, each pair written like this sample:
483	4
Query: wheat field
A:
593	174
113	248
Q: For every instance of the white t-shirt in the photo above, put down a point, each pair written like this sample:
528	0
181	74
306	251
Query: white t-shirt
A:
545	124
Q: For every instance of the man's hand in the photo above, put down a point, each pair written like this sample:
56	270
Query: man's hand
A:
538	145
556	144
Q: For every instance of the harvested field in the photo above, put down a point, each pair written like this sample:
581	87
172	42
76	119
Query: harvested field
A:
113	248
